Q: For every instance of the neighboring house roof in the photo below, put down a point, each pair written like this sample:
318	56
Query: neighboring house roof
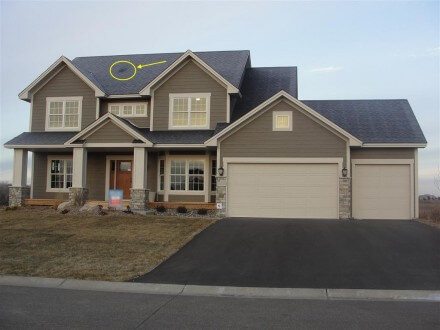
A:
372	121
228	64
259	84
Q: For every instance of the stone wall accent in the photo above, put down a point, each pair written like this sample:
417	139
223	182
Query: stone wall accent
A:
17	195
78	196
220	194
139	199
344	198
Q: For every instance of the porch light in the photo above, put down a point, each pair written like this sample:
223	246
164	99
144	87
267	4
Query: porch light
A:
220	171
344	172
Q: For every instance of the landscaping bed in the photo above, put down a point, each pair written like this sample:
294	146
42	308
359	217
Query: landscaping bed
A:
39	241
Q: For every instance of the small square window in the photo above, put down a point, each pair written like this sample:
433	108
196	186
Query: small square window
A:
282	120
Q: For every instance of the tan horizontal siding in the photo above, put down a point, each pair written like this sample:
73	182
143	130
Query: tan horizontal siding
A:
110	133
189	79
152	172
186	198
382	153
96	163
307	138
65	83
138	121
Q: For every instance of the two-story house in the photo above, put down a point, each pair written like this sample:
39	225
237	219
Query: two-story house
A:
208	127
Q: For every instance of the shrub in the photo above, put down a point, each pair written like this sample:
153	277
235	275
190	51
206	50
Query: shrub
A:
64	211
202	211
11	208
4	193
161	209
182	209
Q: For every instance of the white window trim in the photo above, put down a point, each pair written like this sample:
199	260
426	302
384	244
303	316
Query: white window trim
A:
158	174
134	104
167	183
48	172
64	99
172	96
276	114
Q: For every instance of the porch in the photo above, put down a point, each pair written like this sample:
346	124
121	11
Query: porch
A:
147	177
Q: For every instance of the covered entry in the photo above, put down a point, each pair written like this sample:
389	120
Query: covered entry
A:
283	190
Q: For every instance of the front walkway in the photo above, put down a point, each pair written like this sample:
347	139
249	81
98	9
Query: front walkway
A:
308	254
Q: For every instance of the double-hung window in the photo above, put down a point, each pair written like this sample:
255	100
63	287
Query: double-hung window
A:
189	111
186	175
63	113
59	174
128	109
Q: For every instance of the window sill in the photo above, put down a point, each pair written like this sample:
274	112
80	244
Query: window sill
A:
59	190
59	129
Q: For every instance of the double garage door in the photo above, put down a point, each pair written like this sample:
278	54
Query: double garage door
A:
283	190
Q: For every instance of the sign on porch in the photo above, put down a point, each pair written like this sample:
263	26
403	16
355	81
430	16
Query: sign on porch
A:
115	198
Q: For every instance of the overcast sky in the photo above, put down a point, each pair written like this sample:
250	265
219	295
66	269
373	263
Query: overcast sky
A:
343	50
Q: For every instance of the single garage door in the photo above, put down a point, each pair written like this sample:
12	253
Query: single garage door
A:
382	191
283	190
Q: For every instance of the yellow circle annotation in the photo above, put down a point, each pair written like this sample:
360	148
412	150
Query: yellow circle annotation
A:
122	79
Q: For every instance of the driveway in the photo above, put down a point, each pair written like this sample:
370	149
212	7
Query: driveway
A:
308	253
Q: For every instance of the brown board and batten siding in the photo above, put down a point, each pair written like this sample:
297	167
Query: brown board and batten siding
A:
307	138
65	83
143	121
382	153
189	79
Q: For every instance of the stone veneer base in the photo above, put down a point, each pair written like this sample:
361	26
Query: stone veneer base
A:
344	198
17	195
139	199
78	196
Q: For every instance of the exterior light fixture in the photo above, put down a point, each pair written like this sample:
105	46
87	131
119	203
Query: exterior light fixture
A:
344	172
220	171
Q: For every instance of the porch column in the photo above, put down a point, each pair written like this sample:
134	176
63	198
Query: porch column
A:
78	193
18	192
139	191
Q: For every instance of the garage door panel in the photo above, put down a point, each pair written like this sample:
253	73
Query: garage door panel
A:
382	191
283	190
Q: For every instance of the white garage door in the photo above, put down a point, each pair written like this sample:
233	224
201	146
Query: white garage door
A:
382	191
283	190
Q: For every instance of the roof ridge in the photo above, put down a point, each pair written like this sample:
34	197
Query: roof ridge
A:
355	100
272	67
165	53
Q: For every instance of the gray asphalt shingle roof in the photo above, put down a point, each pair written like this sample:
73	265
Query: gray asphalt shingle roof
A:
372	121
229	64
259	84
41	138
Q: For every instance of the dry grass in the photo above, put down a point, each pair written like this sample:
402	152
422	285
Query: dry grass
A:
37	241
430	211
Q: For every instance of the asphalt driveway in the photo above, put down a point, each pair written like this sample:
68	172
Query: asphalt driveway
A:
308	253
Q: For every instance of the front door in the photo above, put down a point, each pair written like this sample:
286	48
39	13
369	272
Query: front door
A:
121	176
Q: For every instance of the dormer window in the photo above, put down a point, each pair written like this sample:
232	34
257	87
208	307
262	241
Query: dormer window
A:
189	111
63	113
128	109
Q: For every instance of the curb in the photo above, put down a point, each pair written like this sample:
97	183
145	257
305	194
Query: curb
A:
221	291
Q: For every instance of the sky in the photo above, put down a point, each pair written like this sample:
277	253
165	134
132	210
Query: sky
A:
343	50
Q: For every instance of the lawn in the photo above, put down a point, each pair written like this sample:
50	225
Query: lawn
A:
38	241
